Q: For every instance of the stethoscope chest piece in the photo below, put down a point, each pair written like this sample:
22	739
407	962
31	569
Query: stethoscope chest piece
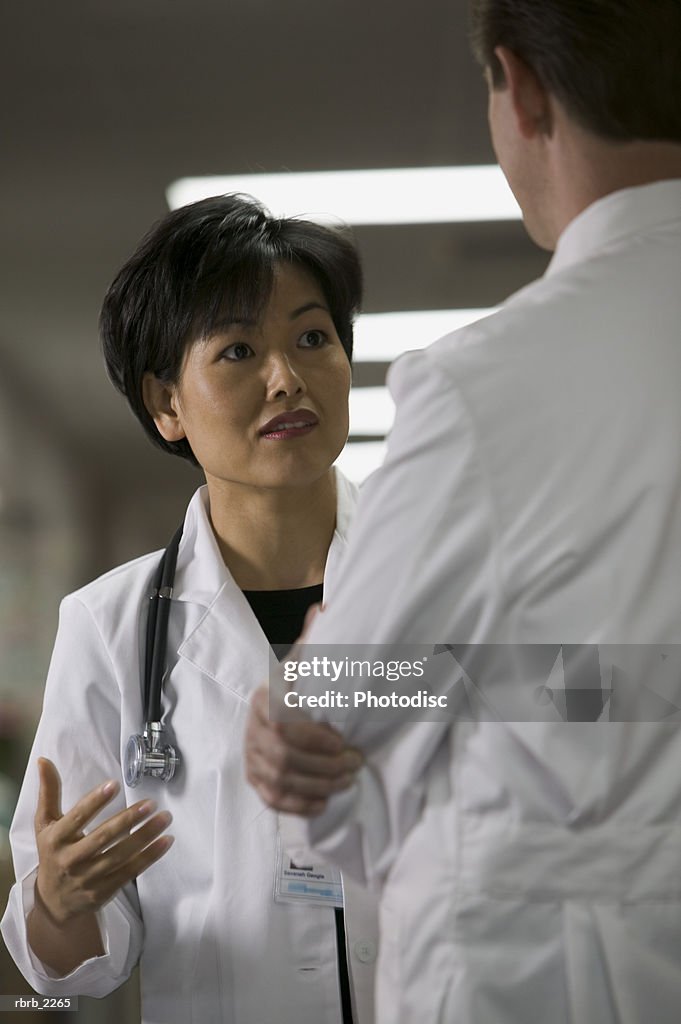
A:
147	754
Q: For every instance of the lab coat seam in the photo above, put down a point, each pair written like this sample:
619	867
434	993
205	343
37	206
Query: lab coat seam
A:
208	612
132	567
214	678
100	635
609	982
496	545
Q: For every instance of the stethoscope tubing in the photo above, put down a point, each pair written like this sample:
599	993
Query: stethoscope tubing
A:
157	629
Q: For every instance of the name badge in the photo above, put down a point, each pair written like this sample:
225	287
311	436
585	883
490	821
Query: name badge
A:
319	884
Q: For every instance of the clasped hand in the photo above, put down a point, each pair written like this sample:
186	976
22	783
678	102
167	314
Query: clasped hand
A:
296	766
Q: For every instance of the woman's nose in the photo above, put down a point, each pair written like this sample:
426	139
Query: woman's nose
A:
283	380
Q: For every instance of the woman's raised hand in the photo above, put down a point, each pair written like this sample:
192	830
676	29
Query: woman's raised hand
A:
78	873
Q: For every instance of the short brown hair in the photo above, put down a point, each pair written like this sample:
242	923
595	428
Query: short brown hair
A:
615	65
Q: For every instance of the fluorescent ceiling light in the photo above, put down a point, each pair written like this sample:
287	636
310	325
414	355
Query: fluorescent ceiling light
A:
404	195
357	461
382	337
372	411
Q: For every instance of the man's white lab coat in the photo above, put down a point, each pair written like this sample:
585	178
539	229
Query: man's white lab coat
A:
214	946
530	870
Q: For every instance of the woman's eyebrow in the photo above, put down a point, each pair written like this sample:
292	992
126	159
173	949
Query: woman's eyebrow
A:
306	308
226	323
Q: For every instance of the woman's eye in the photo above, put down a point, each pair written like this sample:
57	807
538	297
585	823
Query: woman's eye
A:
238	351
312	339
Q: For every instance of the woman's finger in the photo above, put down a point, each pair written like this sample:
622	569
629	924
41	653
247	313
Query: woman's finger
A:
48	809
126	850
70	826
310	615
131	869
111	830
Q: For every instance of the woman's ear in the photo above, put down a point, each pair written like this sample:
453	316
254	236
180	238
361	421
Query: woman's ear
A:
160	400
530	100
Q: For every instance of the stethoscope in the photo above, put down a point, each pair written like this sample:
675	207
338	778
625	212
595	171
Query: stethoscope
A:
149	753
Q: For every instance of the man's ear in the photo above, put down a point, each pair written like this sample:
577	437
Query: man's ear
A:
161	403
529	98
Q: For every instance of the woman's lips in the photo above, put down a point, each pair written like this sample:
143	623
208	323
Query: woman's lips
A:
281	433
289	425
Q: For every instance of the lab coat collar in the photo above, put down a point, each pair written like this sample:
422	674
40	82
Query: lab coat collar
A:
228	644
200	571
616	216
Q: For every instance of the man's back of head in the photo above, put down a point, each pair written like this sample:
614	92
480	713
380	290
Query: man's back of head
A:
584	99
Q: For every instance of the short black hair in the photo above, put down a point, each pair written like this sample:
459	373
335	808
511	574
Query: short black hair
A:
615	65
216	254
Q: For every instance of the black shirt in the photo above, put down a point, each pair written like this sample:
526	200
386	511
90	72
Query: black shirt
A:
281	613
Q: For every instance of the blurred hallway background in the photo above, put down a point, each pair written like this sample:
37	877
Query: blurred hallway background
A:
104	104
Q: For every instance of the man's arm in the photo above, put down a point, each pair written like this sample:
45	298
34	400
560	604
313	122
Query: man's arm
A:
419	569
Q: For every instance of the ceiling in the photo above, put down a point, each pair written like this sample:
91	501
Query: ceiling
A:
105	103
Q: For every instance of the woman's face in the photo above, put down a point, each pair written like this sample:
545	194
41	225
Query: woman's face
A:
266	404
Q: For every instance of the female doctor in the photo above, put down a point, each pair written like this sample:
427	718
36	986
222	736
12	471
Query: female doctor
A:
230	334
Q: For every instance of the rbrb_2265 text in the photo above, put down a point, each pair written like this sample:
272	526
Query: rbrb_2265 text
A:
39	1003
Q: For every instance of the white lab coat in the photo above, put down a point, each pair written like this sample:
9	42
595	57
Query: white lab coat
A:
530	870
213	945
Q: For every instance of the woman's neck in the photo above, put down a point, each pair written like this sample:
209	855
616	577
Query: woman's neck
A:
274	538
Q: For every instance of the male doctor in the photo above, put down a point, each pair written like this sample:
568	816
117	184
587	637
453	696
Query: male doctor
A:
530	498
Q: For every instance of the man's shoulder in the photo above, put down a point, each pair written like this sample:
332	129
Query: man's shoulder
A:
444	362
492	363
520	317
